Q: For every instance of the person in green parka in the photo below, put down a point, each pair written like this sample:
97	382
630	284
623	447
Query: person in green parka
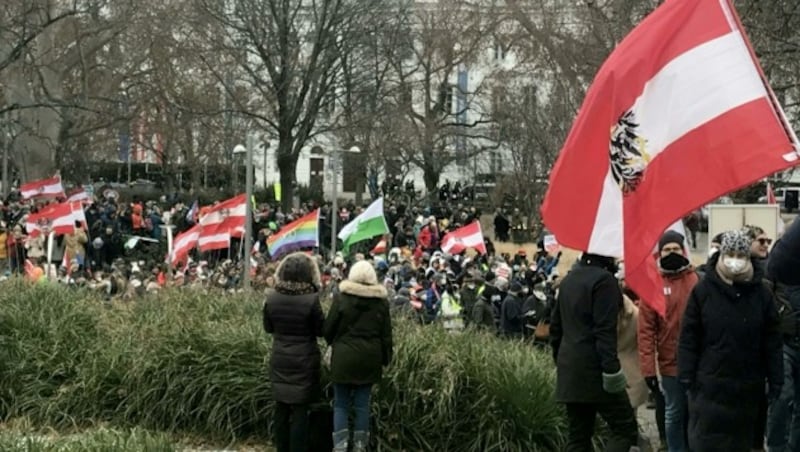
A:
359	328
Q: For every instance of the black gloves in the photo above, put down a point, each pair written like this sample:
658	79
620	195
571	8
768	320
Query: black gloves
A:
652	383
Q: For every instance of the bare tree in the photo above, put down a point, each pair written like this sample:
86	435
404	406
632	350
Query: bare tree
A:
286	55
437	120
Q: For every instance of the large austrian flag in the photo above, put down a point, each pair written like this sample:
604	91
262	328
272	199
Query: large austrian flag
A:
229	214
58	218
184	243
678	115
469	236
47	188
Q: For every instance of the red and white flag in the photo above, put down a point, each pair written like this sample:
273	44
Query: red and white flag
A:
59	218
48	188
774	201
79	195
380	248
214	237
469	236
230	213
771	194
678	115
184	243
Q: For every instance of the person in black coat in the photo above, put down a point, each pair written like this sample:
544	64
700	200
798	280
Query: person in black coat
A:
729	349
583	334
511	315
359	328
292	314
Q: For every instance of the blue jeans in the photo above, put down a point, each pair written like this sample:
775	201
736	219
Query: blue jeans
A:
345	395
783	423
675	398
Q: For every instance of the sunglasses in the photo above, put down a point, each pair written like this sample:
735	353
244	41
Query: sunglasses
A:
764	241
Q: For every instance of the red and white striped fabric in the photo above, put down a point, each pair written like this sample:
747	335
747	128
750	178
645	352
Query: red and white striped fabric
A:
774	201
380	248
51	188
469	236
183	244
79	195
230	213
214	237
59	218
691	118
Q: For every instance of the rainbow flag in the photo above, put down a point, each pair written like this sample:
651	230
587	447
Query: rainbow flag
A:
299	234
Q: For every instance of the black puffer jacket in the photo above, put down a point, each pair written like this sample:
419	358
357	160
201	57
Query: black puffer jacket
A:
295	321
359	328
729	348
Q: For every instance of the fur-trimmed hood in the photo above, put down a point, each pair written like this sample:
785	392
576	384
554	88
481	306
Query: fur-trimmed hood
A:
363	290
316	279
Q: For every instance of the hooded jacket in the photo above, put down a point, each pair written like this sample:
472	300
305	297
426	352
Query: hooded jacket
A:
359	328
294	317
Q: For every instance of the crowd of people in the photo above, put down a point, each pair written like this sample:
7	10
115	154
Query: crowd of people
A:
720	360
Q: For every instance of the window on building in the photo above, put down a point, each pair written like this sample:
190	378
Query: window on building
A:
352	171
499	51
497	163
445	101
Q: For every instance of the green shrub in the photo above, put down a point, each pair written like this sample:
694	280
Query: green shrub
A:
193	362
102	440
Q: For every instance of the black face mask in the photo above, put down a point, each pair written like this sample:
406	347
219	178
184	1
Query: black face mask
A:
673	262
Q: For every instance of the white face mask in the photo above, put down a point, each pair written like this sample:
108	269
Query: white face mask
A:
735	265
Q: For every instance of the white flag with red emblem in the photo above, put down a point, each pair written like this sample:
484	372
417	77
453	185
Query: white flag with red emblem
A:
678	115
46	188
59	218
469	236
184	243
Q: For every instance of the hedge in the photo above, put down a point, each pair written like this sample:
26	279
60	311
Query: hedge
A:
193	362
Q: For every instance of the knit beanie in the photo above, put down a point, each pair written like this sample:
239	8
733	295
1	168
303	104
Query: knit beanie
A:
671	237
736	241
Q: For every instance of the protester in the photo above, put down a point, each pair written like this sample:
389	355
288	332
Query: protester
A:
483	315
729	349
359	330
783	428
511	315
658	336
583	334
292	314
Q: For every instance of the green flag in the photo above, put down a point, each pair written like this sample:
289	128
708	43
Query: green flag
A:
370	223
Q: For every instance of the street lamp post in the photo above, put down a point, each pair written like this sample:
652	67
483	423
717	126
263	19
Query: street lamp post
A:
248	225
248	219
335	157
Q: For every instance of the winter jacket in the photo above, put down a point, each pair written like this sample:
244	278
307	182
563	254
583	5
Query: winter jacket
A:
74	244
628	352
359	328
3	245
483	315
784	259
36	247
583	333
729	348
295	321
658	336
511	320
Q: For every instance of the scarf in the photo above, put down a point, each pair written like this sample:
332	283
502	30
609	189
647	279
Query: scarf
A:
730	278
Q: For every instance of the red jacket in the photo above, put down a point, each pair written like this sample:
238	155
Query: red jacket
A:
659	335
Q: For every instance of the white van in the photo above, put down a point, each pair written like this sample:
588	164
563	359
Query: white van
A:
780	195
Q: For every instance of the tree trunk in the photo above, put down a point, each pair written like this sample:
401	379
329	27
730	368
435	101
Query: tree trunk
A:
287	165
431	177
